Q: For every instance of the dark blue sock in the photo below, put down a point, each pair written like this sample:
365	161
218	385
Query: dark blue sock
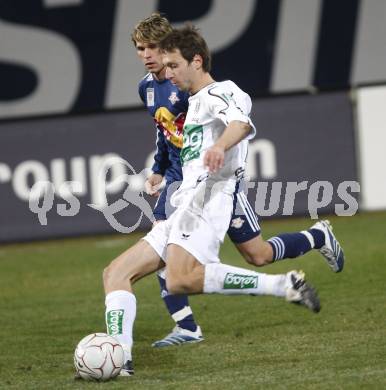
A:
178	307
289	245
319	237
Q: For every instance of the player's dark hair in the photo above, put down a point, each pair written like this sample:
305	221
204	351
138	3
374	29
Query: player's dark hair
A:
189	42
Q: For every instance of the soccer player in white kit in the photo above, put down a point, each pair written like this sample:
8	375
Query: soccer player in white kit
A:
216	132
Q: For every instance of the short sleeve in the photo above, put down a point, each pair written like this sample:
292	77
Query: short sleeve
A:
228	106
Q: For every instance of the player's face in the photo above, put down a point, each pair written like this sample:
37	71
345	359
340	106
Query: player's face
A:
178	70
151	57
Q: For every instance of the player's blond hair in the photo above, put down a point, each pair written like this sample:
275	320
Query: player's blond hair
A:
152	29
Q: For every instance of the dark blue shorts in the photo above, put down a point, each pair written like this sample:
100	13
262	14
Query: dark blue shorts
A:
244	223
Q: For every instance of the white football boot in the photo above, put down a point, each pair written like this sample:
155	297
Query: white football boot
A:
331	250
300	292
179	336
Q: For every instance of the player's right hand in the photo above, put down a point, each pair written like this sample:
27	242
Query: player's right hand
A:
152	184
214	158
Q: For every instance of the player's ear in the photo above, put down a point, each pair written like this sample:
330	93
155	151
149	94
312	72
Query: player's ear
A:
197	61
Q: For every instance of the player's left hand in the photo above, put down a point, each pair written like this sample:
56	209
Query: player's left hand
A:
214	158
153	183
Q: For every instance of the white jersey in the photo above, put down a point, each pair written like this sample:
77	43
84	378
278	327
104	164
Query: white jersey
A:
210	112
205	201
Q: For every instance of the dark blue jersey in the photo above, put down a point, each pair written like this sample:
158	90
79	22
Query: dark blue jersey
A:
168	106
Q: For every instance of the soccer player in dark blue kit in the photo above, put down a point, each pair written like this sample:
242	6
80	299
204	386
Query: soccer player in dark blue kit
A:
168	105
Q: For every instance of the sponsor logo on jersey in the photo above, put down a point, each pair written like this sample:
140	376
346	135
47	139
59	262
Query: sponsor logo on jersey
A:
185	236
193	138
174	98
170	125
237	223
238	282
150	97
114	319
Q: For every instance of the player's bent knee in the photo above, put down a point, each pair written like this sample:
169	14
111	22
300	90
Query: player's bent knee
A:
173	286
177	285
257	255
118	275
184	273
256	251
107	274
110	276
259	260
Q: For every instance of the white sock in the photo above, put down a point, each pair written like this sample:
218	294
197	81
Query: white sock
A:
226	279
121	308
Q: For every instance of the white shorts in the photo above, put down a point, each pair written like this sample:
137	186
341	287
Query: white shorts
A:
198	225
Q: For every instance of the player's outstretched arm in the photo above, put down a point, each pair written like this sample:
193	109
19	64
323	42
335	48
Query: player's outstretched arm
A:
161	163
235	132
161	156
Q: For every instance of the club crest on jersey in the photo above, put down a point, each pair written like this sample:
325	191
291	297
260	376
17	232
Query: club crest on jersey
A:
237	223
150	97
173	98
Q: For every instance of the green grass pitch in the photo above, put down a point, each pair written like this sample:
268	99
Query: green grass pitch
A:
51	296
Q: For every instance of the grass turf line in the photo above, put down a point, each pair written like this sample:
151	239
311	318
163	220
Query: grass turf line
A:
51	296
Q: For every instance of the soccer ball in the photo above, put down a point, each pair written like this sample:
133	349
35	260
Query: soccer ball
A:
98	356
